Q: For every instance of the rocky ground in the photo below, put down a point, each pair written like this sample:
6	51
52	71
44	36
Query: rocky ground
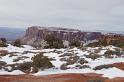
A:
71	64
87	77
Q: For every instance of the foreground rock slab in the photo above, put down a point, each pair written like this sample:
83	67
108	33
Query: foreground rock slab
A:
58	78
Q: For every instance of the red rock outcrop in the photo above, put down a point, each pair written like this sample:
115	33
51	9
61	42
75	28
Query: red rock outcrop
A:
111	37
35	34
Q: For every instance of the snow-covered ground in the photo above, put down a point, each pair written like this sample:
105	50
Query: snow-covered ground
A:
15	72
25	53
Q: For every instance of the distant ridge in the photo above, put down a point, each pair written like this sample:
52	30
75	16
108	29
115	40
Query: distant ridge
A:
11	33
114	32
14	33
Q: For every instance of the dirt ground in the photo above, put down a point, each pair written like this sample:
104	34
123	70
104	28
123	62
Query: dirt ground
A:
57	78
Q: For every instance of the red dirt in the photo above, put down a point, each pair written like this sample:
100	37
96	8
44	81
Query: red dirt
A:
118	65
57	78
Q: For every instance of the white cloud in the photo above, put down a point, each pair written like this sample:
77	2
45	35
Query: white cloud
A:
84	14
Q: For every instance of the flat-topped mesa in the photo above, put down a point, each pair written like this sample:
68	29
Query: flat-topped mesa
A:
35	34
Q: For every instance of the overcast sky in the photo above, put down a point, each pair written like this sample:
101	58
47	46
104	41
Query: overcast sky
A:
82	14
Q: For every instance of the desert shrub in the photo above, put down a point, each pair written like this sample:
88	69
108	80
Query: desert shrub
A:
12	54
118	42
118	52
82	67
83	48
71	60
26	52
17	43
94	44
10	67
52	59
98	44
2	63
3	42
108	56
25	66
53	42
34	70
103	42
3	52
85	66
82	61
95	80
41	61
103	67
93	56
64	66
109	53
63	59
66	54
122	47
75	43
58	52
7	69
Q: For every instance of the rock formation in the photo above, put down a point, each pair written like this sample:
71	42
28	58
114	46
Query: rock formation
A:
111	37
35	35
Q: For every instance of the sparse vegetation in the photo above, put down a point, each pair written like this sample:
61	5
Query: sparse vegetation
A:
82	61
103	67
53	42
93	56
75	43
98	43
17	43
25	66
118	42
3	42
109	53
66	54
41	61
82	66
2	63
71	60
63	66
94	44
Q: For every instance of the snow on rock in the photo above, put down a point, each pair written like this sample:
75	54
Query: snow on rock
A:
111	72
57	63
18	52
28	47
56	71
25	53
7	59
11	48
15	72
104	61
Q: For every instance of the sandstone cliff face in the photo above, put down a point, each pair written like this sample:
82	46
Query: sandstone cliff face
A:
111	37
35	35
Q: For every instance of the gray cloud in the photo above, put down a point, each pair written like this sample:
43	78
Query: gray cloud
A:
83	14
